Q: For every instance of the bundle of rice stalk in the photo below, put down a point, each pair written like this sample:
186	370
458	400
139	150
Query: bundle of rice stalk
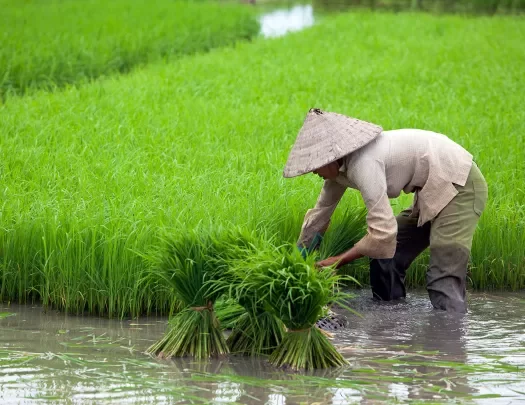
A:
345	234
257	332
228	312
296	292
187	266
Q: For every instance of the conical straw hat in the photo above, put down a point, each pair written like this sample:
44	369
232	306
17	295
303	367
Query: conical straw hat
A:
326	137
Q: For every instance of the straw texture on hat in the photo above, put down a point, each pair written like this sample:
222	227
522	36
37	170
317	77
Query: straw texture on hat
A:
326	137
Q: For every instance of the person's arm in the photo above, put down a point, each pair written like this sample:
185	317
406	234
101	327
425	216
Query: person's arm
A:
344	258
380	240
317	219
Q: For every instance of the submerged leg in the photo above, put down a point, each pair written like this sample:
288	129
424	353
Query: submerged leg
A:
451	237
446	277
387	276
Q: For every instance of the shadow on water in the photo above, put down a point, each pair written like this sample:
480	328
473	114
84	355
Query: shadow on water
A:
397	353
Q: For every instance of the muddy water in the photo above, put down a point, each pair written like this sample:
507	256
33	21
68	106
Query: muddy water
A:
397	353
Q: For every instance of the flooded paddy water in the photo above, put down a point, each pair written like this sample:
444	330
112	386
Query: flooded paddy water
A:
406	352
281	21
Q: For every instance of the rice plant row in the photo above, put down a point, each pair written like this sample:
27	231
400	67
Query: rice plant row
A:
49	44
92	178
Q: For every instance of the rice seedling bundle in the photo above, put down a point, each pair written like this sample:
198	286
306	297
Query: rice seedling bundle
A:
256	330
187	265
296	292
256	333
344	234
228	312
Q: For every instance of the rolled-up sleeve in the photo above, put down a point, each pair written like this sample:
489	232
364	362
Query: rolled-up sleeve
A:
381	238
317	219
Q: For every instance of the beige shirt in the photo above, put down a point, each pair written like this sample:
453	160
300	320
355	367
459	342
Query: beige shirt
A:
408	160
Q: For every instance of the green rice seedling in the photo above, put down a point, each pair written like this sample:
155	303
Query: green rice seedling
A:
228	312
50	44
195	331
255	331
93	175
258	331
187	265
344	234
296	292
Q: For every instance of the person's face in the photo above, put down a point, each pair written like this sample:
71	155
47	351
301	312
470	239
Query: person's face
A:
328	172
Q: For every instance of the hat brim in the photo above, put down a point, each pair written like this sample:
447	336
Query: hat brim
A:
326	137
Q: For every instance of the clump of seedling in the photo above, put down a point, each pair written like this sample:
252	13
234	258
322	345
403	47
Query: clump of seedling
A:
296	292
187	266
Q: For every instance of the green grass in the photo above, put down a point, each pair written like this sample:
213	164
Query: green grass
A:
54	43
486	7
93	176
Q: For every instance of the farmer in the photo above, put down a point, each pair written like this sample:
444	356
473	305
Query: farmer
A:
449	196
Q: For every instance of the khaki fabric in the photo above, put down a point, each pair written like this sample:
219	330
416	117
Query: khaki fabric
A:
406	160
458	220
449	237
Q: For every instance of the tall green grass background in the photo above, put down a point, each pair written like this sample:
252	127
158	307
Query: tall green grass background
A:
53	43
93	176
471	7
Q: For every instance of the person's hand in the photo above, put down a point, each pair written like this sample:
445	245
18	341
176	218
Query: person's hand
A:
329	262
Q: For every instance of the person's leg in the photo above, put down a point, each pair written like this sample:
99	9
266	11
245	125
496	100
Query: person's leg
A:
387	276
450	243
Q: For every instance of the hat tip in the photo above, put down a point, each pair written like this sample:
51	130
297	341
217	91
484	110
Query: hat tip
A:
317	111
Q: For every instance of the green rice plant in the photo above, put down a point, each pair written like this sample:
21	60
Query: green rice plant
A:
92	176
195	331
187	266
344	234
228	312
296	292
49	44
256	333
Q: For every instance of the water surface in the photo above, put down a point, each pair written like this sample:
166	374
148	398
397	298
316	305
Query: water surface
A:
398	353
281	21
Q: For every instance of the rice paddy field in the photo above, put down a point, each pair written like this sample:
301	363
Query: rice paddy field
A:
141	137
93	175
49	44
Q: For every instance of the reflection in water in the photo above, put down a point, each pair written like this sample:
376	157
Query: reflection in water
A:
280	22
227	392
276	399
418	336
402	352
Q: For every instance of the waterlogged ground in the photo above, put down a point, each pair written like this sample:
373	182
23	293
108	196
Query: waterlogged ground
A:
398	353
